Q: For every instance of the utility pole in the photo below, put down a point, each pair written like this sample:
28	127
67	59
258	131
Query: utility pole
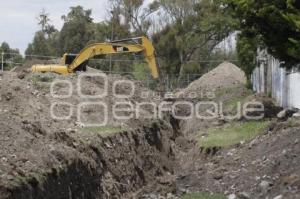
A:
111	39
2	61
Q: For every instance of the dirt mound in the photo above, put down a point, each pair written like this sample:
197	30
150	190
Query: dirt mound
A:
42	156
56	164
47	157
270	108
224	76
266	167
30	62
43	90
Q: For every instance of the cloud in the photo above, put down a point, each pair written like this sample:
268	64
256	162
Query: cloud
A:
18	18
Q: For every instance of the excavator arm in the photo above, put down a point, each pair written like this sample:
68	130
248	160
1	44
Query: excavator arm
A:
72	63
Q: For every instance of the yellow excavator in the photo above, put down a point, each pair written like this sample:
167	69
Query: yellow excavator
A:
71	63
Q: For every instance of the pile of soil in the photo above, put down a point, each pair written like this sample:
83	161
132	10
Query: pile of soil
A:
44	157
266	167
40	86
271	109
225	75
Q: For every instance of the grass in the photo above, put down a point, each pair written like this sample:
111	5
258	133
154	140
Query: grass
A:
293	122
233	134
35	178
104	130
233	103
141	71
203	195
232	96
39	78
224	91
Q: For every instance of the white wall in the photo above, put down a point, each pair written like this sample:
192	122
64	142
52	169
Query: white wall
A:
294	79
284	86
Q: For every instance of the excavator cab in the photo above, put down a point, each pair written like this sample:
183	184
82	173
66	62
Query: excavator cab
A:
67	59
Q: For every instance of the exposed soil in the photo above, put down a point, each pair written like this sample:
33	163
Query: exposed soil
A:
265	167
225	75
88	166
43	157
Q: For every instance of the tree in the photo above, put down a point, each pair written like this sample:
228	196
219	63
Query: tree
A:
277	23
11	56
136	15
117	29
5	47
44	41
30	49
192	37
178	9
247	52
40	45
43	19
77	30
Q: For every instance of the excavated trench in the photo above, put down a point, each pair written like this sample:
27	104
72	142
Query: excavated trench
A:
114	166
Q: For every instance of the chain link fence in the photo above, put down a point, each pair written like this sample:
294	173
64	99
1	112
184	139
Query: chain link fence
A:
120	66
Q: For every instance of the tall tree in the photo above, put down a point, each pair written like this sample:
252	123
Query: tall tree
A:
178	9
276	22
44	41
192	37
43	19
136	14
77	30
117	29
39	45
12	57
247	52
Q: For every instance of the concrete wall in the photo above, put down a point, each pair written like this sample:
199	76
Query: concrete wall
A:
271	79
294	90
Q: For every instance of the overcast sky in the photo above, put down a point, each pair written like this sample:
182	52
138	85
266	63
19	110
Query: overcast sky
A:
18	17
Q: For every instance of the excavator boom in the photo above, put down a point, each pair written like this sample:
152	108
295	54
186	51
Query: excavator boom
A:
72	63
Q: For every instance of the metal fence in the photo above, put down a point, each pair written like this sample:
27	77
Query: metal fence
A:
171	81
282	84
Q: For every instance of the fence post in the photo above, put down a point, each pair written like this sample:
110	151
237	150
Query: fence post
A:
148	83
167	82
2	61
